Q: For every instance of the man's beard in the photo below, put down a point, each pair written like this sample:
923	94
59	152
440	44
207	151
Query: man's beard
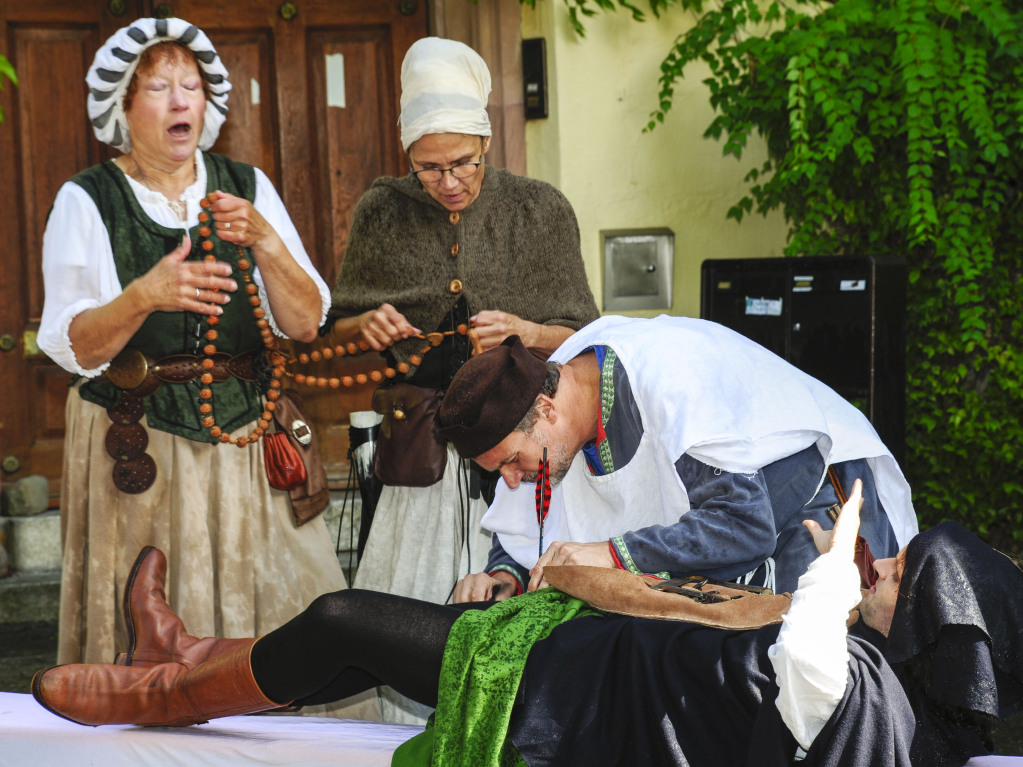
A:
557	456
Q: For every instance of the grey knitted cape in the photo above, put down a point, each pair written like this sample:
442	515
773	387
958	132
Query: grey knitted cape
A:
514	249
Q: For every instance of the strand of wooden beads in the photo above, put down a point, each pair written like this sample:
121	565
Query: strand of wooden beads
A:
352	349
277	360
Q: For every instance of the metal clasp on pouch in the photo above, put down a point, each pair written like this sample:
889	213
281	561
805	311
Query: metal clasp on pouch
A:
301	431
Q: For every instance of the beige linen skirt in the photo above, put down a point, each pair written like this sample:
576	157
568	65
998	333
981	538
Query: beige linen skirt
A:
237	565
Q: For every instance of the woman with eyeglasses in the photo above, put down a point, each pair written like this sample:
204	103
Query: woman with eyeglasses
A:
452	243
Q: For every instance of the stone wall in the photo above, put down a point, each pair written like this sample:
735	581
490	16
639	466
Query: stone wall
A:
29	552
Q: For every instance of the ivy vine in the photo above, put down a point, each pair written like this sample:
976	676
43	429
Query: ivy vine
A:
892	127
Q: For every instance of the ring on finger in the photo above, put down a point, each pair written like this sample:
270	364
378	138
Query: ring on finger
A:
227	224
197	294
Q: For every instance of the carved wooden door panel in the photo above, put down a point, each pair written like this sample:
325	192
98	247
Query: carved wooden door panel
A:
314	104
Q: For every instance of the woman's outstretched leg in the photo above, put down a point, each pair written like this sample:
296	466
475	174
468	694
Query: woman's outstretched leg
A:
353	640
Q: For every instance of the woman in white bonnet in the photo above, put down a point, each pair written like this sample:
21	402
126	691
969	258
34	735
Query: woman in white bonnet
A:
129	279
452	243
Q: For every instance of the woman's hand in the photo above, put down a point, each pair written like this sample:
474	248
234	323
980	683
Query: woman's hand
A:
846	526
495	326
380	328
177	285
293	295
172	285
821	537
239	223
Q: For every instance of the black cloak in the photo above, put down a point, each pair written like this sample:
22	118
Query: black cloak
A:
613	690
956	642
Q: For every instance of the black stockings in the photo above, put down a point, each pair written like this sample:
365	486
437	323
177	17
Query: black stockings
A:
354	640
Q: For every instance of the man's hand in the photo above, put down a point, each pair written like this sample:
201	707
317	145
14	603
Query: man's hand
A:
847	525
481	587
566	553
821	537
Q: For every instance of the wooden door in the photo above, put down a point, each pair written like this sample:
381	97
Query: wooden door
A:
44	140
314	104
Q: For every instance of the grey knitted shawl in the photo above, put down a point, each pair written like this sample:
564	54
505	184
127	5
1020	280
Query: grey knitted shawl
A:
518	252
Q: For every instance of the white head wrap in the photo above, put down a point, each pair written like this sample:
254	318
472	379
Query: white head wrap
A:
114	66
444	89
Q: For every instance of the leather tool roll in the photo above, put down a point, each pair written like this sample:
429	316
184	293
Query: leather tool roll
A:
729	606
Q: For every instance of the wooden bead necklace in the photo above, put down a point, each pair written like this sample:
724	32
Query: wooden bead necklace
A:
352	349
278	361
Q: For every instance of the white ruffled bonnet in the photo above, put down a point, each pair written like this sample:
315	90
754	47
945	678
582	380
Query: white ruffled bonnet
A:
444	89
114	66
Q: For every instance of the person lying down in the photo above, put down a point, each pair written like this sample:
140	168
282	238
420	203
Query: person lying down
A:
932	660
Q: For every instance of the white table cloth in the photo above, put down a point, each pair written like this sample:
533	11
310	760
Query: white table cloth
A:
30	736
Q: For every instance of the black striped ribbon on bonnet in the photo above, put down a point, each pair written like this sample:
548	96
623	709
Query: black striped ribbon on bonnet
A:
114	66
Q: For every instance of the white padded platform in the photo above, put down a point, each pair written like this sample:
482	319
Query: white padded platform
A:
30	736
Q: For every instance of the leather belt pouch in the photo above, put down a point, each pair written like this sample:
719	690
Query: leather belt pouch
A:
408	452
310	496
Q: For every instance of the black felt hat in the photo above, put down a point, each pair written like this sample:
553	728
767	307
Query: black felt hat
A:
488	397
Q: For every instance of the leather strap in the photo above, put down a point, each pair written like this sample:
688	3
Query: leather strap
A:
137	376
131	370
837	484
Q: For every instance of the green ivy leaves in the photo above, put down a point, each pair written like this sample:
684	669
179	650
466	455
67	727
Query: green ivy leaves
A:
894	126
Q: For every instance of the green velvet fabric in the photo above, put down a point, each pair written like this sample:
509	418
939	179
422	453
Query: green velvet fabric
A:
483	662
138	243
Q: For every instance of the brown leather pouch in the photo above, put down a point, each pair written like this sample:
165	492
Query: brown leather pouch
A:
408	452
710	603
311	496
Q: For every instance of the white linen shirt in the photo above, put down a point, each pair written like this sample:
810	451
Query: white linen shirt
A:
810	656
78	261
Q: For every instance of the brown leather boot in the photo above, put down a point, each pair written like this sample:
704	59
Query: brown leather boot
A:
155	634
168	694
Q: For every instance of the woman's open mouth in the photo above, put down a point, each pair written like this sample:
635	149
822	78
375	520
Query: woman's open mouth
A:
180	130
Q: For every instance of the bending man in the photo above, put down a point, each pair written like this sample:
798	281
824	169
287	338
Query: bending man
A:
681	447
